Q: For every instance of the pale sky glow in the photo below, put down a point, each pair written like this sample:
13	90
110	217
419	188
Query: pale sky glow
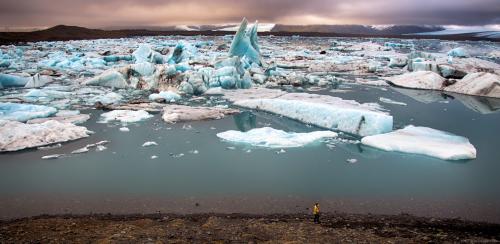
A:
102	13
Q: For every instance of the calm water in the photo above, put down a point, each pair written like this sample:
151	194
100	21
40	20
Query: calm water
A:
124	178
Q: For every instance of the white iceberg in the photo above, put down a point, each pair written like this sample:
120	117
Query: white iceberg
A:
24	112
125	116
425	141
418	80
273	138
169	96
149	144
479	84
328	112
17	136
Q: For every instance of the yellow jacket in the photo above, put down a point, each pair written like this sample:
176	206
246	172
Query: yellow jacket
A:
316	209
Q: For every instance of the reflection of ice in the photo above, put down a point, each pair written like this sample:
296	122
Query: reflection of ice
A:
245	121
483	105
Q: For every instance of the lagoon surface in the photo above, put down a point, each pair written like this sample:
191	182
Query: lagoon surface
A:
195	171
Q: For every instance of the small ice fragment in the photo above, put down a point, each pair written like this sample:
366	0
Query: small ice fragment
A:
53	156
390	101
178	155
194	152
124	129
100	148
187	127
352	160
281	151
149	143
230	148
58	145
81	150
154	157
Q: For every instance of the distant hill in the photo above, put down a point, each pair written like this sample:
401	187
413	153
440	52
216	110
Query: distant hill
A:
64	32
357	29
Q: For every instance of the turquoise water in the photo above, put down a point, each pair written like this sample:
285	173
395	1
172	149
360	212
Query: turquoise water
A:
225	177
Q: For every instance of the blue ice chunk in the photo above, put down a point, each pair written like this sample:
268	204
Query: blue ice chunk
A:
24	112
145	54
7	80
117	58
182	67
4	63
458	52
245	43
182	53
227	82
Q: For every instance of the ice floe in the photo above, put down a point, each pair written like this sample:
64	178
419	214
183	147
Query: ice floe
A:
327	112
125	116
273	138
181	113
17	136
24	112
425	141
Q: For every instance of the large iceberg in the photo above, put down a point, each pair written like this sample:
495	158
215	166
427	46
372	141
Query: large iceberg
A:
24	112
273	138
245	43
425	141
327	112
479	84
17	136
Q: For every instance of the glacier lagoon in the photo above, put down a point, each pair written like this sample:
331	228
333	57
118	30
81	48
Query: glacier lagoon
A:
195	171
140	151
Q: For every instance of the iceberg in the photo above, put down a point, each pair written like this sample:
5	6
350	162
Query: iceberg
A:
458	52
7	80
16	136
245	43
418	80
110	78
167	95
478	84
273	138
181	113
328	112
125	116
424	141
24	112
145	54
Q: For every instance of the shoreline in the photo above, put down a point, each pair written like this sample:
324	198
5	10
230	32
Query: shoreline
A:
244	228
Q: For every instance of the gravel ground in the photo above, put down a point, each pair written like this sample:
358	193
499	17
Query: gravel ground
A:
239	228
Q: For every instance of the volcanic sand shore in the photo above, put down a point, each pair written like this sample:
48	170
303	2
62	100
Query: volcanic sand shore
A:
297	228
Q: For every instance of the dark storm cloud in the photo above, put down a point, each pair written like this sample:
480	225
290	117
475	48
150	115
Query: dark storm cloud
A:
164	12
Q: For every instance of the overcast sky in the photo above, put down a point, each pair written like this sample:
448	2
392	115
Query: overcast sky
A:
103	13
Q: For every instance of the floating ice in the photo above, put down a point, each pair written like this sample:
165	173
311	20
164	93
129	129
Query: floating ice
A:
245	43
458	52
479	84
99	146
326	111
418	80
7	80
390	101
124	129
273	138
17	136
181	113
107	99
425	141
169	96
149	143
110	78
125	116
24	112
53	156
145	54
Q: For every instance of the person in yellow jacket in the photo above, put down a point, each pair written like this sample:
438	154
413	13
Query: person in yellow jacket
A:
316	213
